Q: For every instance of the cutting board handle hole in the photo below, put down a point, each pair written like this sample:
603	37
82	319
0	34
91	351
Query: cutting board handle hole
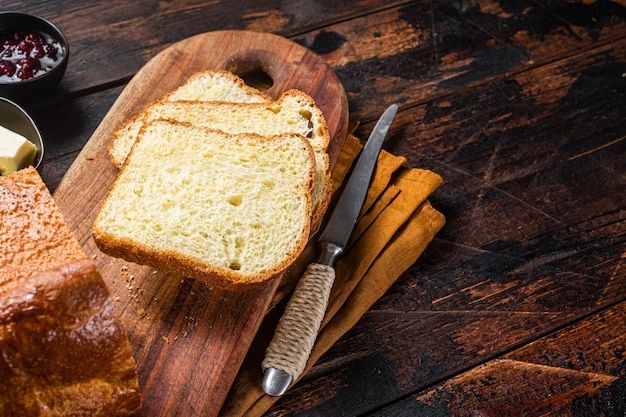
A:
256	67
258	79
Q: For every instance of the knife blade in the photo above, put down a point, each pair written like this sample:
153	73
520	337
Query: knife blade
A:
289	349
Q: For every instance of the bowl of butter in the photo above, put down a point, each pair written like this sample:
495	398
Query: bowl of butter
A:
20	141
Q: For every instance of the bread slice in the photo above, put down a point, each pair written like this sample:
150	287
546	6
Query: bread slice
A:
231	210
63	349
211	85
217	85
293	112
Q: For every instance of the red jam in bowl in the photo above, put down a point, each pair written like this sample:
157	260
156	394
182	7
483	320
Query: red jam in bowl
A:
26	55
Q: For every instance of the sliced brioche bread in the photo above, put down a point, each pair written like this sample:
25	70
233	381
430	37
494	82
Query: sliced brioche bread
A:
217	85
293	112
228	209
212	85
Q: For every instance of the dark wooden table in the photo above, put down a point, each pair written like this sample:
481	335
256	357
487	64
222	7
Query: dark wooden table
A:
519	305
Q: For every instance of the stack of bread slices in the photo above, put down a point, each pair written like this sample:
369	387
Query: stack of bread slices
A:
217	182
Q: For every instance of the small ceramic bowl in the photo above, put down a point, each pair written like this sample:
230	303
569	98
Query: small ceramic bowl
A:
14	118
26	43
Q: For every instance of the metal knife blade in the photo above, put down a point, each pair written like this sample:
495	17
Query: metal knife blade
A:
344	216
289	350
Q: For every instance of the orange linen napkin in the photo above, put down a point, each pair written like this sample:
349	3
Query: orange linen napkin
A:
396	225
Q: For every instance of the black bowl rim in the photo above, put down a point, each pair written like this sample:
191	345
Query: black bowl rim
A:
40	145
57	34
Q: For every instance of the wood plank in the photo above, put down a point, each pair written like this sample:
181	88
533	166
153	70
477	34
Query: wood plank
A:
66	128
422	50
410	54
535	235
111	41
406	53
564	373
189	339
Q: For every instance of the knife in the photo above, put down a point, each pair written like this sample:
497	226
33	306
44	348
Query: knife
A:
289	349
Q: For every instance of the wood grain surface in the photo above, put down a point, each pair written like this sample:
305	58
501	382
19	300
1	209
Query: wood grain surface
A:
189	339
519	105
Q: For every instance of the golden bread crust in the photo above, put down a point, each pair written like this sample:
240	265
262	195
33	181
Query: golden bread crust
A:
63	350
33	235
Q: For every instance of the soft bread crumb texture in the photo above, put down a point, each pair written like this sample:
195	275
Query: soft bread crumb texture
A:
223	208
293	112
212	86
217	85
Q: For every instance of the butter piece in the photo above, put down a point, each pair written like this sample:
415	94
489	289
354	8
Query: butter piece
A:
16	152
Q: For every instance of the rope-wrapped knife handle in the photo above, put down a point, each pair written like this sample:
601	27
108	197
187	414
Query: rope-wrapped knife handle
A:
297	329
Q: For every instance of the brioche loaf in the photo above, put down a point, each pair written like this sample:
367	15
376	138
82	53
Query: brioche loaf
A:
293	112
232	210
63	349
212	85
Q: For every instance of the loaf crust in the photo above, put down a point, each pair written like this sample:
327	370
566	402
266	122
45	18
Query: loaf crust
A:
33	234
63	350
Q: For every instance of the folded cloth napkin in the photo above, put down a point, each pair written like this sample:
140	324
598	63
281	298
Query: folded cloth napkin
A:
396	224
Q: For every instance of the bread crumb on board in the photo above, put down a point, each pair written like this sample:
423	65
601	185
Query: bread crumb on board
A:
134	292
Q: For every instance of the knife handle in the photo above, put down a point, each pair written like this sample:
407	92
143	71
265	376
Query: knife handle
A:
289	350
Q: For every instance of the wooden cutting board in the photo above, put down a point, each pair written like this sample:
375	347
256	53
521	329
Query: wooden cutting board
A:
190	339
